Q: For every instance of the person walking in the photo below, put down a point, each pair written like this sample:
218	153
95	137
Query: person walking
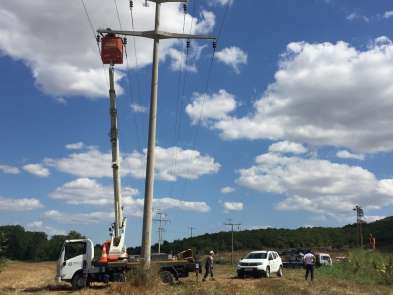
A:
309	260
209	266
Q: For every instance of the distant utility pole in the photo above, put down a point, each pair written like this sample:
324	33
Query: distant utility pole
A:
162	221
191	228
359	221
156	35
232	225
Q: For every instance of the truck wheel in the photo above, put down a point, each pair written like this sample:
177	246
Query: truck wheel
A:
280	272
78	281
267	272
240	274
167	277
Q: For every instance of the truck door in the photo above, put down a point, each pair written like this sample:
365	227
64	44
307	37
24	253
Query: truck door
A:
74	254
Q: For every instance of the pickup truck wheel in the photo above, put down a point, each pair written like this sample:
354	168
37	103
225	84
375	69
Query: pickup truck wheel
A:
78	281
167	277
240	275
280	272
267	272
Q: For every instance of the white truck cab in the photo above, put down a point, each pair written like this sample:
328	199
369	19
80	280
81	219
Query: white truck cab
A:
258	263
75	258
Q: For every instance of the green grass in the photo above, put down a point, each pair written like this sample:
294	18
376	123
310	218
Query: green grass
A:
363	267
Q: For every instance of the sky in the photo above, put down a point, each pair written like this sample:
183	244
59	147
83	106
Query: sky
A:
287	124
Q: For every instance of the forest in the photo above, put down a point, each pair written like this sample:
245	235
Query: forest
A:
16	243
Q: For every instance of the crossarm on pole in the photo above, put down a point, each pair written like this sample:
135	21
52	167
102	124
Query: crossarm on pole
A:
154	35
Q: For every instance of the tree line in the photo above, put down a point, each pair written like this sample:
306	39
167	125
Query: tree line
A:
16	243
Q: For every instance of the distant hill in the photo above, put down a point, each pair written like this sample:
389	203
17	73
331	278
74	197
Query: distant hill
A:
315	237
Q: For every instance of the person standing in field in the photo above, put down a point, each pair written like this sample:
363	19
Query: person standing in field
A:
309	260
209	266
371	242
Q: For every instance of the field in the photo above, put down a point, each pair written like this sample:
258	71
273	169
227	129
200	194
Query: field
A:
37	278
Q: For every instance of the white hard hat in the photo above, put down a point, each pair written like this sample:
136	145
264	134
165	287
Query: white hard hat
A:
211	252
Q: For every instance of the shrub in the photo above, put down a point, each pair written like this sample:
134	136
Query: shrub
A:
365	267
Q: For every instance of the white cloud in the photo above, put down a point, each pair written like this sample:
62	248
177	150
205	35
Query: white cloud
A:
171	163
205	108
84	191
75	146
372	218
223	2
233	57
25	204
88	191
287	147
9	169
39	226
317	186
136	108
388	14
71	66
355	16
353	110
227	190
79	218
180	61
171	203
343	154
37	169
233	206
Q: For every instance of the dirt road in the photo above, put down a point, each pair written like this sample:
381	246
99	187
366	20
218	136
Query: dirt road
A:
38	278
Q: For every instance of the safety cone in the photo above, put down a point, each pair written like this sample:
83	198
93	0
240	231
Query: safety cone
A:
104	255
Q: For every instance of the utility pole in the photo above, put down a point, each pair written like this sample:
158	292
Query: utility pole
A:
191	228
232	225
359	221
156	35
162	220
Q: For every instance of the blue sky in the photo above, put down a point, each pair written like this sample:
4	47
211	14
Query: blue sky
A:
292	128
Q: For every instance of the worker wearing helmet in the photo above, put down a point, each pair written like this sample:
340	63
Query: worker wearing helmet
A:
209	266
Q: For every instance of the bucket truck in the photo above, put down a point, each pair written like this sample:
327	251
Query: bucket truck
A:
76	263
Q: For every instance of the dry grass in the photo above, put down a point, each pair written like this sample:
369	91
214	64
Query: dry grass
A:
38	278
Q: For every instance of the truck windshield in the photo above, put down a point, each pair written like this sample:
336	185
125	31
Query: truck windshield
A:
256	255
74	249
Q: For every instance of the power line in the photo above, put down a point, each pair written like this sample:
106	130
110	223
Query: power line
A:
90	22
127	78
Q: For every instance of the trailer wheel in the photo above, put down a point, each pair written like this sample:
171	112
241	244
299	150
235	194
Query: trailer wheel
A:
167	277
78	281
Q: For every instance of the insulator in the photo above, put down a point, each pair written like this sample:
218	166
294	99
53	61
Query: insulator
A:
131	4
98	38
214	45
125	41
185	7
188	43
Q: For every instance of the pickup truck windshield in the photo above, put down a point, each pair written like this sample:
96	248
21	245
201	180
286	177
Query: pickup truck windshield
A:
256	256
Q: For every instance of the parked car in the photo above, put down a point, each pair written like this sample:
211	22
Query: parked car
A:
258	263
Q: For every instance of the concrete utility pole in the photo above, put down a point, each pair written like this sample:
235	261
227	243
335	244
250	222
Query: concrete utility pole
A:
156	35
232	225
191	228
359	221
162	220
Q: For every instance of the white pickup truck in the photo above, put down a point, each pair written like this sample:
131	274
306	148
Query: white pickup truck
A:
259	263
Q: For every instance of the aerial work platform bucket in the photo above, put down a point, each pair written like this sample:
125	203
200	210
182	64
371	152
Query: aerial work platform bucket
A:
112	49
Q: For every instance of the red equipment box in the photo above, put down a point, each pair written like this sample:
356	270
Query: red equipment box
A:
112	50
